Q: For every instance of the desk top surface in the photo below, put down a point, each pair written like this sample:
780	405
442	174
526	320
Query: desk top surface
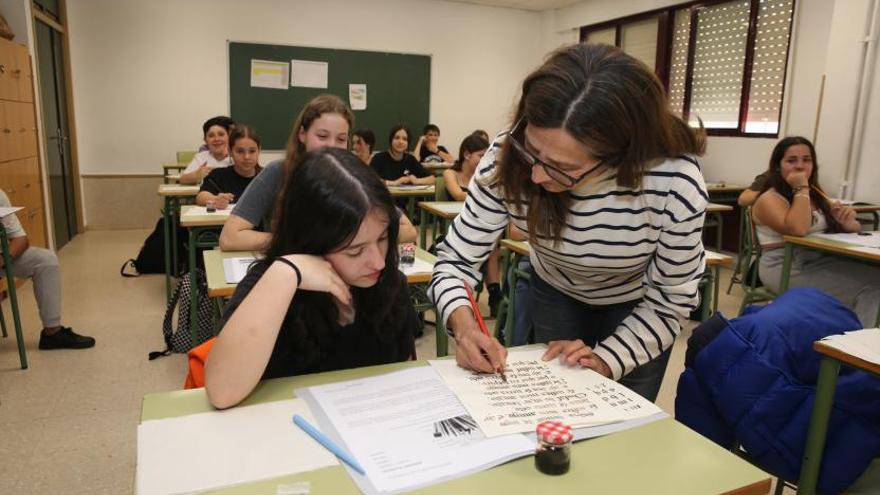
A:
664	457
717	208
723	187
197	216
443	209
398	191
177	190
833	246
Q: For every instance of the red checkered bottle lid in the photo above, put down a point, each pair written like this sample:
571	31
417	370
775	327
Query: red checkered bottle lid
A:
554	432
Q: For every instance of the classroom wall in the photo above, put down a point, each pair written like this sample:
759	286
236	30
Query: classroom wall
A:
731	159
147	74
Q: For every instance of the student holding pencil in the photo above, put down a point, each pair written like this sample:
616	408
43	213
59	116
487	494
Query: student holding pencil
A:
329	300
224	185
602	178
793	203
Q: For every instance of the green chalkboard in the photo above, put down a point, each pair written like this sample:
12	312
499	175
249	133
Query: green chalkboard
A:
398	89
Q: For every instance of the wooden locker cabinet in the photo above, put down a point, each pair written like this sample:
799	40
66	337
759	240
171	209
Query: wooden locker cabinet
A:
19	162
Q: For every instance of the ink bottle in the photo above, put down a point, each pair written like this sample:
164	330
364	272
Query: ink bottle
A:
553	451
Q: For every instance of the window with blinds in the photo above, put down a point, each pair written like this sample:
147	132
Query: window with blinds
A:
723	62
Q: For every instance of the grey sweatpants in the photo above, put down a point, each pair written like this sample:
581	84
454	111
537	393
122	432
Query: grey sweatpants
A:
855	284
41	266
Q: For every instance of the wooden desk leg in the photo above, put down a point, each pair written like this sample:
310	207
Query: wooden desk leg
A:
13	298
442	340
825	385
166	226
718	235
876	219
175	211
411	207
502	320
511	300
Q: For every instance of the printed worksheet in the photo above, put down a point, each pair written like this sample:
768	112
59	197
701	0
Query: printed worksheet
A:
537	391
407	429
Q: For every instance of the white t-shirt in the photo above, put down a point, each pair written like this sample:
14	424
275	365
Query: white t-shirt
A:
206	157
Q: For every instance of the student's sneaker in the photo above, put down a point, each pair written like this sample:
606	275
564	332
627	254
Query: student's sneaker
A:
65	339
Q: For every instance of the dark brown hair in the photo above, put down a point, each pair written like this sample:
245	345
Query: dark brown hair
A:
775	180
313	110
470	144
242	131
609	101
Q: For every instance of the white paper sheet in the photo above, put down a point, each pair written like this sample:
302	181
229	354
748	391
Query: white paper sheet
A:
450	208
408	430
195	210
419	266
539	390
865	239
9	210
412	187
224	448
357	96
269	74
308	73
864	344
234	269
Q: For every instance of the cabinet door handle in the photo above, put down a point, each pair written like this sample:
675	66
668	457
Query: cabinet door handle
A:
2	69
7	130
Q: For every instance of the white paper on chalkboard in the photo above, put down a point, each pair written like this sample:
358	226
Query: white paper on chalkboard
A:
308	73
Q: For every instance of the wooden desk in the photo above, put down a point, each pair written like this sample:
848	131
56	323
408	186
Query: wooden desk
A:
198	222
440	213
724	192
172	178
173	195
714	211
411	193
173	169
661	458
822	244
217	285
873	209
13	297
826	383
437	168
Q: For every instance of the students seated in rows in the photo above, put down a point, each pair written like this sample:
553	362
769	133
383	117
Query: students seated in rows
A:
396	166
427	149
324	122
329	300
225	185
457	179
362	143
793	203
216	133
41	266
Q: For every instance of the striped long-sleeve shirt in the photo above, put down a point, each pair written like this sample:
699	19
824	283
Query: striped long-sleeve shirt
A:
618	245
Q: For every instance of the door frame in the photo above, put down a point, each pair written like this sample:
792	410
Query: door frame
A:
61	29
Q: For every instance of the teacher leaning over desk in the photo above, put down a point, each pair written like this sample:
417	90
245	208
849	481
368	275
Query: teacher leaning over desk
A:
604	180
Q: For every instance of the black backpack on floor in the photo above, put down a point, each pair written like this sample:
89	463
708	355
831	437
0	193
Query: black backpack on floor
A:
151	258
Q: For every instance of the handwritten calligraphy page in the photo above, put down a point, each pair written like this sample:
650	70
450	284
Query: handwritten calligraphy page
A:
537	391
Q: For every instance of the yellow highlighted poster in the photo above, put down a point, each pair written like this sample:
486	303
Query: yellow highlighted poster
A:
268	74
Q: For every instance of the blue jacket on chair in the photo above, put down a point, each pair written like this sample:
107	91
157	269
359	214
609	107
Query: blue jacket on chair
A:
755	382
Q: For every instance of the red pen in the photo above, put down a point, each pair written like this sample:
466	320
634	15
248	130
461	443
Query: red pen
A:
481	323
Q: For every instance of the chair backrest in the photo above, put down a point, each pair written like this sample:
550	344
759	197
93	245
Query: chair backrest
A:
752	249
440	192
185	156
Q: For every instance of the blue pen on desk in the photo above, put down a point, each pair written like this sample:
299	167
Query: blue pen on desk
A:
327	443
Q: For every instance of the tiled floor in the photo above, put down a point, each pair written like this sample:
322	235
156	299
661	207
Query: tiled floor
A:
68	423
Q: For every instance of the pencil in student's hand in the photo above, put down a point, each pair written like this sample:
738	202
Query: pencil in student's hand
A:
822	193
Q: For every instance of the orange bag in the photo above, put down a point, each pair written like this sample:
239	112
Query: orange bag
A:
197	357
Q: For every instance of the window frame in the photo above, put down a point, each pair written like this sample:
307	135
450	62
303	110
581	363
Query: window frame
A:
665	28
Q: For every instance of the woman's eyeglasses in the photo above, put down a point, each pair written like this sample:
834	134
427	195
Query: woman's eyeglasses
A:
551	171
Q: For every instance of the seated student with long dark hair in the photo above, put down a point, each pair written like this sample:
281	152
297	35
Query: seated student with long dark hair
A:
329	300
792	203
396	166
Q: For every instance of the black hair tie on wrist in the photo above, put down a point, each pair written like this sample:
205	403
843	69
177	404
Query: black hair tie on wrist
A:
299	276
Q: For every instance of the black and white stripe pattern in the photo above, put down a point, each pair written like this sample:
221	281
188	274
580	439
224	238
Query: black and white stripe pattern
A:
618	245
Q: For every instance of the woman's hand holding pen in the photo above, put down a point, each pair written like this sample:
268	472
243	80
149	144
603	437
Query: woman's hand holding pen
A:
475	350
572	352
